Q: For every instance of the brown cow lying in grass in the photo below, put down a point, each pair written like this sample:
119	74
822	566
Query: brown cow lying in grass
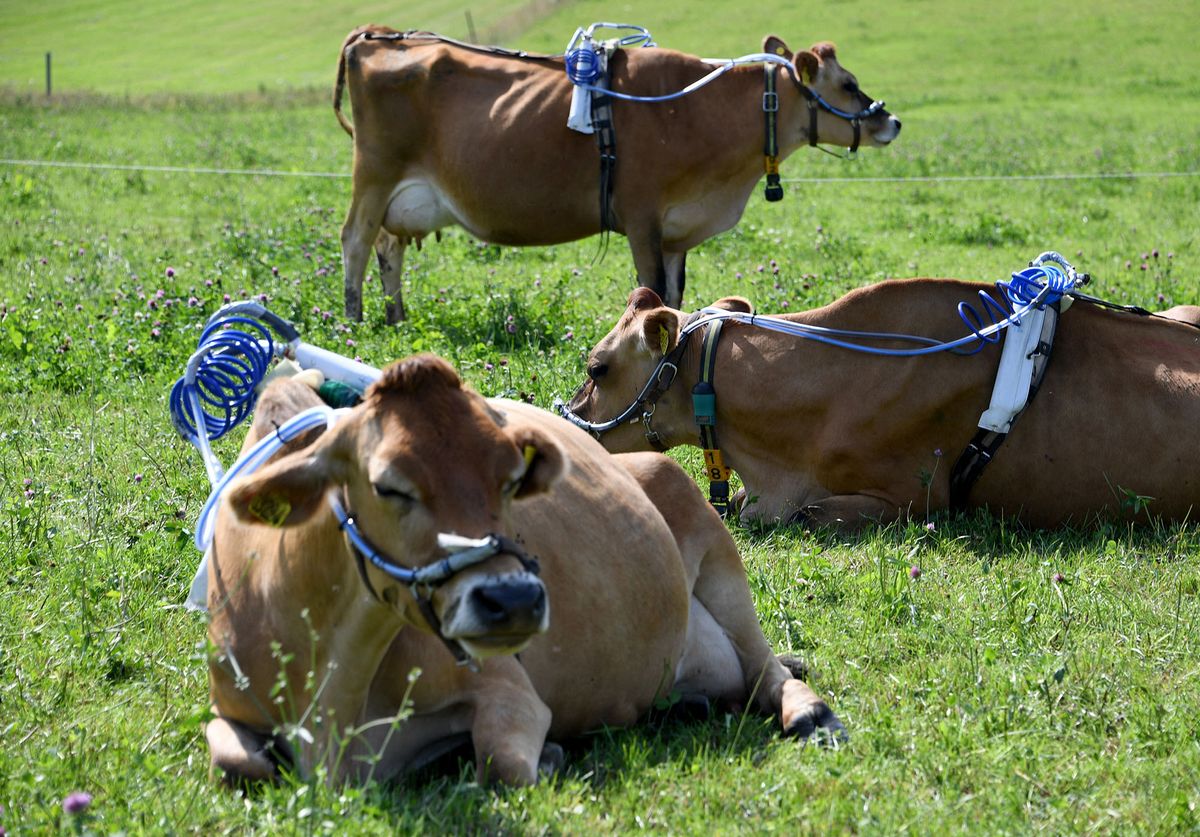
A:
641	591
445	133
834	437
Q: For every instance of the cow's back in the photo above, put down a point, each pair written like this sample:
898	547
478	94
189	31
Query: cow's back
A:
1116	419
1117	416
481	138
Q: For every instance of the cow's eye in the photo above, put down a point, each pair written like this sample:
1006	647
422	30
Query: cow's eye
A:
396	494
850	87
596	371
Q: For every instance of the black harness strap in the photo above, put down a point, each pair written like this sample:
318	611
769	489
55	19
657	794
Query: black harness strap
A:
606	142
970	464
980	450
704	410
770	106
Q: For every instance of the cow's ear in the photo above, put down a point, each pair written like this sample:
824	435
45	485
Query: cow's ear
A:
289	491
734	303
807	65
644	299
545	462
660	331
824	50
774	45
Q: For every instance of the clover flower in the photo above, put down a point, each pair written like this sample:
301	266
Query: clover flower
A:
77	802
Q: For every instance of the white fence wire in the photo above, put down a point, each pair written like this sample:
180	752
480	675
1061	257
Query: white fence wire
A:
965	178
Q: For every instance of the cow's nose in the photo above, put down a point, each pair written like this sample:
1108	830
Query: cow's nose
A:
510	605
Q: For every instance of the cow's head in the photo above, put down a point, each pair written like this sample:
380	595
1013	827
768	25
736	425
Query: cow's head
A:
423	456
818	70
620	367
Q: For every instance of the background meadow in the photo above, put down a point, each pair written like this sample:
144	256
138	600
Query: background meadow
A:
1023	681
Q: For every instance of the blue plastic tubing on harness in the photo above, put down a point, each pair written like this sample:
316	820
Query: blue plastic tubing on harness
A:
1038	285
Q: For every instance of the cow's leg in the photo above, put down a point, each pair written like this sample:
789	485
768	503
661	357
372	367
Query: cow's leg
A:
238	755
676	278
848	512
359	233
509	727
722	588
645	242
733	647
389	252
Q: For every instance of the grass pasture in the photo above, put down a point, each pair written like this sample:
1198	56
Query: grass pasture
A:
1025	681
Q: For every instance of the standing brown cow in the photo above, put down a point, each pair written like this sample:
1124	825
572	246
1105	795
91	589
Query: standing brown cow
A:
833	437
445	133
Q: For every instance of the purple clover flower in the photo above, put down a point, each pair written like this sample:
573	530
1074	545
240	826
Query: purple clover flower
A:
77	802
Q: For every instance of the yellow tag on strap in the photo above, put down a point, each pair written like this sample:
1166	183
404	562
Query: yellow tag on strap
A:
714	465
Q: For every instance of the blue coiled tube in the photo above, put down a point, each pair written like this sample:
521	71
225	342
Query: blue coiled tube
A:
1025	287
583	65
229	364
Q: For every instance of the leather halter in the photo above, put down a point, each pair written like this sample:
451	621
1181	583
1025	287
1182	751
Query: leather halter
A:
424	580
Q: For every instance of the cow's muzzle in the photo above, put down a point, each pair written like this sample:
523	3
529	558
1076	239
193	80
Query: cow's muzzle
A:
496	614
458	554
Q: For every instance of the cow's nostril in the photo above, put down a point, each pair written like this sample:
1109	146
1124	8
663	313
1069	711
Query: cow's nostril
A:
510	602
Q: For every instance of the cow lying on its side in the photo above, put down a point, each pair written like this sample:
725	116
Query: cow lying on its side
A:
641	590
834	437
448	134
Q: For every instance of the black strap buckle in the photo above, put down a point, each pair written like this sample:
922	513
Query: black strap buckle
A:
774	190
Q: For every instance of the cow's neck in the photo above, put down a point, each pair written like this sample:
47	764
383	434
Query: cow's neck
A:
749	403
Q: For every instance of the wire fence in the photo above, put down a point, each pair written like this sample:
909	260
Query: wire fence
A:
965	178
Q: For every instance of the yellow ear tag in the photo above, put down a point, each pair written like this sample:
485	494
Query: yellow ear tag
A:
530	453
270	509
664	338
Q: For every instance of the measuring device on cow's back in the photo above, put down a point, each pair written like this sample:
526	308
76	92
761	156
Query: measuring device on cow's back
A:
1031	302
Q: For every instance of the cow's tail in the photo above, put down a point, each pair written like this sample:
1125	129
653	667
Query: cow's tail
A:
340	85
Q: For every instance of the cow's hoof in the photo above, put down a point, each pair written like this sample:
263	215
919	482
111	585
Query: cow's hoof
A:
395	313
551	760
796	666
819	724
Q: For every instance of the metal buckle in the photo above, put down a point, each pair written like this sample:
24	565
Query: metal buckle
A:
665	384
770	102
651	434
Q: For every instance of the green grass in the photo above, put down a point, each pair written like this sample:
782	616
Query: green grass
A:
129	47
984	696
